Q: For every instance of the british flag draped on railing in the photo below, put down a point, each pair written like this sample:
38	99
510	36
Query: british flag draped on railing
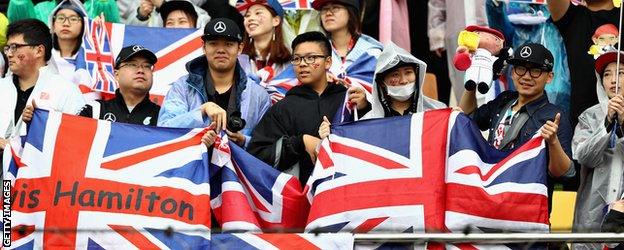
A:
238	241
249	195
86	183
102	43
393	179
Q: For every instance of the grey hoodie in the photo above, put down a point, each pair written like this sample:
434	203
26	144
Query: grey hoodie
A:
391	56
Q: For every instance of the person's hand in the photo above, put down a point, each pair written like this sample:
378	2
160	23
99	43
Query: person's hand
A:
616	106
440	51
100	19
549	130
3	143
210	136
216	114
311	143
457	108
237	137
27	115
145	8
324	128
357	95
157	3
618	206
332	78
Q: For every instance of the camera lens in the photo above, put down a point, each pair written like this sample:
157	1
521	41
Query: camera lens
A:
235	123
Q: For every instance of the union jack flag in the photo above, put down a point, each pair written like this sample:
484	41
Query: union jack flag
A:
86	183
243	5
282	241
432	172
249	195
98	58
359	73
173	47
277	85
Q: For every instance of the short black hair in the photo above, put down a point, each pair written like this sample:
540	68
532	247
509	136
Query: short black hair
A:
313	36
35	32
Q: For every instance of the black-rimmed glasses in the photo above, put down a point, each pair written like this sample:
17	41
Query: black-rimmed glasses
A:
308	59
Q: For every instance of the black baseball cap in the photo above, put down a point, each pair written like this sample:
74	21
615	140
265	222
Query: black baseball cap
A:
135	50
170	6
222	28
318	4
533	53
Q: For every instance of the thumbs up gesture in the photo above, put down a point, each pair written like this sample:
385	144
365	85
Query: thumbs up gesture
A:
27	115
549	130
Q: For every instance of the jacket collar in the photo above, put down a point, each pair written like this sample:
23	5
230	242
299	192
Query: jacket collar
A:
122	103
535	105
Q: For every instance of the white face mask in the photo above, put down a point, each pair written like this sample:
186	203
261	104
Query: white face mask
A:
401	93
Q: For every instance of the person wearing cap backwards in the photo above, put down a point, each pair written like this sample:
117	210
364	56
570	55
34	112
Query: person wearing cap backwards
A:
514	117
160	13
216	88
353	53
287	136
601	165
131	104
33	82
265	56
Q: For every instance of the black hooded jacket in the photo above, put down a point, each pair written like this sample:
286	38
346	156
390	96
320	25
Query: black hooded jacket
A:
278	138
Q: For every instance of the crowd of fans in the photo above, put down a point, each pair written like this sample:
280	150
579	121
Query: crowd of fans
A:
231	86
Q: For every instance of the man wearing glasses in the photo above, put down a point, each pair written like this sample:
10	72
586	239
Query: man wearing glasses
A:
33	83
513	117
133	72
287	135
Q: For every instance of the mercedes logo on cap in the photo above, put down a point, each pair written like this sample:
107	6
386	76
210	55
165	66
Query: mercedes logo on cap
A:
525	52
136	48
219	27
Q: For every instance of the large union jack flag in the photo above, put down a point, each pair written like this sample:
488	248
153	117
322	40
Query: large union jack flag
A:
432	172
85	183
249	195
102	43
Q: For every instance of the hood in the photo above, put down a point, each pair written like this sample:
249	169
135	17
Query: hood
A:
76	6
305	91
391	56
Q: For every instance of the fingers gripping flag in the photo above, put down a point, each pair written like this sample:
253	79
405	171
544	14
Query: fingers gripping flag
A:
249	195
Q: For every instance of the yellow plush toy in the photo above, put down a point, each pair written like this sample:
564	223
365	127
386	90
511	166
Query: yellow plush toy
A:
468	39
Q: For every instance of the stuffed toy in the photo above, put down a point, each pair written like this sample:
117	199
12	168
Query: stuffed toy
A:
481	54
605	38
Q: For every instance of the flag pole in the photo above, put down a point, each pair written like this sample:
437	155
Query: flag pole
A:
617	80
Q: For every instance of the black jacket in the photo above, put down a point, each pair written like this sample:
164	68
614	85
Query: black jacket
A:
278	138
115	110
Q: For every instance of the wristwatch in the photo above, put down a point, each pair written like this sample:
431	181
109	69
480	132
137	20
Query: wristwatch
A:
142	18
